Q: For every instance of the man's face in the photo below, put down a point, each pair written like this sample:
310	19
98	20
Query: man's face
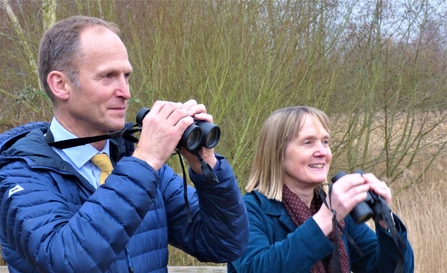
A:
98	105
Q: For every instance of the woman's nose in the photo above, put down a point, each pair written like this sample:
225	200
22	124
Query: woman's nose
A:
321	148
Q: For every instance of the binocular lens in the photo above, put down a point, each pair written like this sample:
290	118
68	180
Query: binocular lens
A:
211	134
191	138
200	133
211	138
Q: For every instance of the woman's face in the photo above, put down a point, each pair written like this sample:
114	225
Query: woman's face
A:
308	156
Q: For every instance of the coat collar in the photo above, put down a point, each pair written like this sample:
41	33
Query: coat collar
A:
274	208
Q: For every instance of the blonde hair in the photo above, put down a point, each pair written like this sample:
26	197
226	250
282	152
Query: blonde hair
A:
267	171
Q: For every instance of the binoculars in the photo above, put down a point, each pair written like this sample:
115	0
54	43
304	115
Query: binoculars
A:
374	206
199	134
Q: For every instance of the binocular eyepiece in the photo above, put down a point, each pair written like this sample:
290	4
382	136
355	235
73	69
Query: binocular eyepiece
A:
373	206
199	134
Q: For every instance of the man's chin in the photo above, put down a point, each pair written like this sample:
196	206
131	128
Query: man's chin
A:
117	126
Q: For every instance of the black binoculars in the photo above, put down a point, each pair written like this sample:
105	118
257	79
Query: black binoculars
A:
199	134
374	206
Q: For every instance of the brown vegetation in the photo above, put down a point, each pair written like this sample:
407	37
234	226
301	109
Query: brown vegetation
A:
376	67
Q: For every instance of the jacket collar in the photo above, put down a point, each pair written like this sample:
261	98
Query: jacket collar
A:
276	209
32	147
28	143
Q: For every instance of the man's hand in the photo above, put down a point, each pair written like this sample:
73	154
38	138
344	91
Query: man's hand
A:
161	131
198	111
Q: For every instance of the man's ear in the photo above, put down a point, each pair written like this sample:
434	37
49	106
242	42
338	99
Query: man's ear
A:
59	85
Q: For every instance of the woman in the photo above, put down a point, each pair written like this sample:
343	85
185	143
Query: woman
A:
290	224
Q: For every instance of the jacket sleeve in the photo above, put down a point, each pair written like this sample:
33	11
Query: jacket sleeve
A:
57	235
380	251
218	231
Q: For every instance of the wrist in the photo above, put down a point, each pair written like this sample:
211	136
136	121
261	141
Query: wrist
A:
323	218
155	163
207	155
196	166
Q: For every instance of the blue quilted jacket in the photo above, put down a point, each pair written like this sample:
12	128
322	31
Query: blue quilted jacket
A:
53	220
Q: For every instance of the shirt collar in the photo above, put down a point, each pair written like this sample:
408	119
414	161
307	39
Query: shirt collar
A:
78	154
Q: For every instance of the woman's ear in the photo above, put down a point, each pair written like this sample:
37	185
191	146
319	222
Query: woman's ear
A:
59	85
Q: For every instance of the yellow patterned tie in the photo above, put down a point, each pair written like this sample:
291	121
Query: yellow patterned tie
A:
102	161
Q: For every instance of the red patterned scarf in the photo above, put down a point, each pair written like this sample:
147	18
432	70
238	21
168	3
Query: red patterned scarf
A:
300	212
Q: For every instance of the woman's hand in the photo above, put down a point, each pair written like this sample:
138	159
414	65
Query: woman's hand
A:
381	189
346	193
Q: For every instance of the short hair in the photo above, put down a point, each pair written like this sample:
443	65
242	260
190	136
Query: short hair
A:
267	171
59	48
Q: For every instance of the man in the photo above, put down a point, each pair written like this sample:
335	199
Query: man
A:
55	215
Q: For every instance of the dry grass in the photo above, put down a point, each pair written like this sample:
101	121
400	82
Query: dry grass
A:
423	209
420	198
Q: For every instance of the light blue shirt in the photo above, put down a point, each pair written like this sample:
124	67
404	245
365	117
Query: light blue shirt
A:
79	156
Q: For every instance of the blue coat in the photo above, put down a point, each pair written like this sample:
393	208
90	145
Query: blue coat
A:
277	245
53	220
